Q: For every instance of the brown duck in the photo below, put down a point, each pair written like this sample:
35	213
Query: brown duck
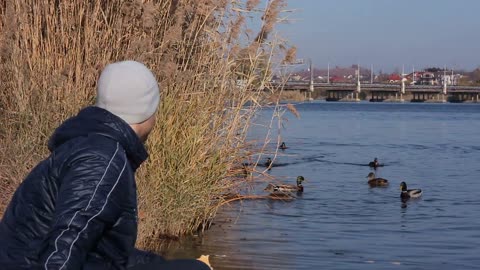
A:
376	182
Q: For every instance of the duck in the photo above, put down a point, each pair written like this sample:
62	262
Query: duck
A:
286	188
283	146
409	193
268	163
374	163
376	182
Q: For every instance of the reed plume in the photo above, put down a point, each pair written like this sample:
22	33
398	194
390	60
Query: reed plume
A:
51	55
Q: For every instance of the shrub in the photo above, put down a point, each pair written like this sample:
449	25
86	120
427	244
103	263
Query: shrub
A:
211	75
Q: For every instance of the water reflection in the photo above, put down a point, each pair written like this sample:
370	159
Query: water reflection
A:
404	202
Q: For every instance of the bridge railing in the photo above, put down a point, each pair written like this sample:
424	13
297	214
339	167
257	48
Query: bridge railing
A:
378	86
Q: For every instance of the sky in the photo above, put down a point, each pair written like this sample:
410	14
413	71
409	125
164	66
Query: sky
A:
387	34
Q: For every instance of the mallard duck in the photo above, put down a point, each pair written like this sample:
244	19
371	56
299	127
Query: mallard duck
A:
376	182
283	146
374	163
409	193
286	188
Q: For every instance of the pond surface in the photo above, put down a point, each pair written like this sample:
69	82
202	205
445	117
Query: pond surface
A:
341	223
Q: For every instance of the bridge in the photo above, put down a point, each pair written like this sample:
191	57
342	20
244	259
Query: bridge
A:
385	92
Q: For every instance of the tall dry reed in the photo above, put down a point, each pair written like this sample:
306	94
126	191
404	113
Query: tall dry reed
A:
211	75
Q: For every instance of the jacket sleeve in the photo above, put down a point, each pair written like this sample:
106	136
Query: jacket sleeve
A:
84	208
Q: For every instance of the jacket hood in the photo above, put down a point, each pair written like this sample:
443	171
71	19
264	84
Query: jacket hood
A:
95	120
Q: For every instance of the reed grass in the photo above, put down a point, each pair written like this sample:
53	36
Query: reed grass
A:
51	53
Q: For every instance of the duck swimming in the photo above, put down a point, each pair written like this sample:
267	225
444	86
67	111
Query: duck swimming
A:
409	193
268	163
374	164
283	146
286	188
376	182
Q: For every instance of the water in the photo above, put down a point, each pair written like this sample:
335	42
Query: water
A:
341	223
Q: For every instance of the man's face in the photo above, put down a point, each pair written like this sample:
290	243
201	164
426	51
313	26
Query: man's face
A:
149	124
143	129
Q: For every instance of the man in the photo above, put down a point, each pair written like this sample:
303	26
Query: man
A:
77	209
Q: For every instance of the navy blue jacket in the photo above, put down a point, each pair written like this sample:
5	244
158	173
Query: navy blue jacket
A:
78	207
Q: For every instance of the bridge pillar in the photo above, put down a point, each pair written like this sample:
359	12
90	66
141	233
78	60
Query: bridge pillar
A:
356	94
402	90
399	97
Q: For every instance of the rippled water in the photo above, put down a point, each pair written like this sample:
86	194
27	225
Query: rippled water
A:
341	223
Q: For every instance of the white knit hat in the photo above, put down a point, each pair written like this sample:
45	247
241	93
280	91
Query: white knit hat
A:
129	90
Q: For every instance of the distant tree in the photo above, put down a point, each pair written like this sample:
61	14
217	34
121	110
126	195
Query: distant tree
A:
382	77
465	80
470	78
433	69
475	76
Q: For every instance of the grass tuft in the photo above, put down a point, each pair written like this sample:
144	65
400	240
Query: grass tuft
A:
211	74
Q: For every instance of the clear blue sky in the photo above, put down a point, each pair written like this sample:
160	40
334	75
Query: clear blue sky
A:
386	33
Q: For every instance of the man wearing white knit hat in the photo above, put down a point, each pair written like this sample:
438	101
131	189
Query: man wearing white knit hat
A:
77	209
130	91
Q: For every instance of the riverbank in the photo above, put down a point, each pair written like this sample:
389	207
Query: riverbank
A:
48	72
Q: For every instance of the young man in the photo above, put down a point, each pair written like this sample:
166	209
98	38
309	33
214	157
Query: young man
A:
77	209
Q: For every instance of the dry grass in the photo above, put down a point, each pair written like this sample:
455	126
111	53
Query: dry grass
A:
51	53
291	96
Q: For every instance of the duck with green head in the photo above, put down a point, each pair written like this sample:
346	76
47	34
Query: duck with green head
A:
286	188
374	181
409	193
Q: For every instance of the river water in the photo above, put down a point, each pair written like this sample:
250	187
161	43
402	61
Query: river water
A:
341	223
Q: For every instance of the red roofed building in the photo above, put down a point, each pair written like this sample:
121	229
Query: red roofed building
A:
337	79
393	78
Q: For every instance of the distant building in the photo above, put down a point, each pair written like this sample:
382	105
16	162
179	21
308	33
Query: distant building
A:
423	78
295	77
338	79
433	78
414	77
449	79
427	78
394	78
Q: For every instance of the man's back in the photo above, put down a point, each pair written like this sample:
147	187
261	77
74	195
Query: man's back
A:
78	208
89	176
